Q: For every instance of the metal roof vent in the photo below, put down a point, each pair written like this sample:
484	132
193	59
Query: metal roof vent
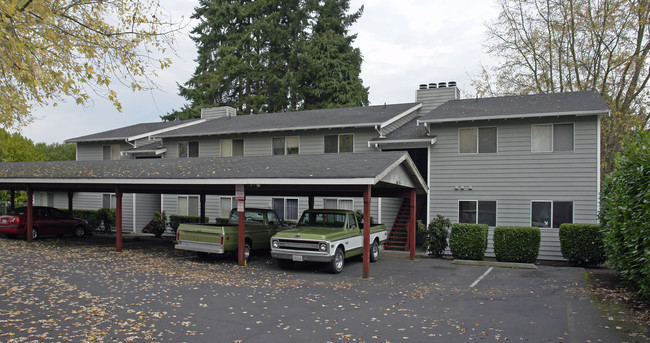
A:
423	86
452	83
442	84
433	85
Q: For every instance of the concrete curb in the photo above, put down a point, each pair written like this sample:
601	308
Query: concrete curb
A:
495	264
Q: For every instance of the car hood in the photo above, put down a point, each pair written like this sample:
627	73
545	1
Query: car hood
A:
317	233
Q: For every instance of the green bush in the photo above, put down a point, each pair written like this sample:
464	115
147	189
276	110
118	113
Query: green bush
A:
517	243
176	220
222	221
158	224
468	241
90	216
582	244
106	218
435	235
625	213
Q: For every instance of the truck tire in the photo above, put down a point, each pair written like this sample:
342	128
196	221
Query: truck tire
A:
337	263
374	251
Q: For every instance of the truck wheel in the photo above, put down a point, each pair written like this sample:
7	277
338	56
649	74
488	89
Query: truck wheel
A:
374	252
247	251
336	266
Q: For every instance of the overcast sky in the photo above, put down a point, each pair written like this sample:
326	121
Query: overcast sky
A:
404	43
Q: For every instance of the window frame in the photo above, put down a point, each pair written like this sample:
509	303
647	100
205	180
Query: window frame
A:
112	200
285	143
552	137
284	208
477	214
187	205
338	203
552	219
185	151
115	152
231	153
338	143
477	130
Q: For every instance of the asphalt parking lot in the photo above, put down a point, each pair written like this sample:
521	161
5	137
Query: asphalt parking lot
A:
55	290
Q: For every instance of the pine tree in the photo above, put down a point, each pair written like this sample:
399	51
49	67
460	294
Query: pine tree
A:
271	56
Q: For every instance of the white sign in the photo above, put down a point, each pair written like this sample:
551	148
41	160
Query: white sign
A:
239	192
240	205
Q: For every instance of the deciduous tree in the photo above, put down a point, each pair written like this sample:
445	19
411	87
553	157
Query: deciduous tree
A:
54	49
547	46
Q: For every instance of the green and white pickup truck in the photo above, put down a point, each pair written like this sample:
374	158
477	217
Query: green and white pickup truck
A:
325	236
260	225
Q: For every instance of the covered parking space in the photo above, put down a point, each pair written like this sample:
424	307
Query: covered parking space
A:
380	174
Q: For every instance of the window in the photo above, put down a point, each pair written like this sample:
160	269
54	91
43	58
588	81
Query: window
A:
108	201
188	149
287	209
111	152
551	137
477	212
339	204
232	147
547	214
286	145
482	140
188	205
226	204
339	143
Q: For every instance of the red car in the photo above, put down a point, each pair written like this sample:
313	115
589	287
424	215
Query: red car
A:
47	221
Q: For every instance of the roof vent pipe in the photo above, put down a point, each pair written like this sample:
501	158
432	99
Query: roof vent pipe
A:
423	86
433	85
452	83
442	84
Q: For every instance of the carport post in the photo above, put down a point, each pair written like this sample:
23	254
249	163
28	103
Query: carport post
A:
118	219
366	232
70	195
241	227
12	199
30	214
202	200
412	225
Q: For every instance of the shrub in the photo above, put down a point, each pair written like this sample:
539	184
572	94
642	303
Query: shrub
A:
625	213
106	218
90	216
435	235
468	241
517	243
158	224
176	220
582	244
222	221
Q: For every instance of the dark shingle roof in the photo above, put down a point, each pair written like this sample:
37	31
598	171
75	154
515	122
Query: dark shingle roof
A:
311	167
571	103
347	117
123	133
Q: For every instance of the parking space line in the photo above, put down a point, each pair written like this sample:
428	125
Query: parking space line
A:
481	277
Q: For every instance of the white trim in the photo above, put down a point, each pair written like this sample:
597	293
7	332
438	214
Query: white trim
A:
428	189
301	128
135	222
400	116
364	181
513	116
171	128
598	166
431	141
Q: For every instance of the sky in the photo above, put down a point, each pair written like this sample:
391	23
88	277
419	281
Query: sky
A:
404	44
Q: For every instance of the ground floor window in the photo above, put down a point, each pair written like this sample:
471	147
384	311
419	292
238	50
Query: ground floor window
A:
340	204
188	205
226	204
108	201
477	212
286	208
547	214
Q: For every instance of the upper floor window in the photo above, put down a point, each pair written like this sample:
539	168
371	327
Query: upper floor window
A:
232	147
547	214
472	140
477	212
111	152
339	143
188	149
551	137
286	145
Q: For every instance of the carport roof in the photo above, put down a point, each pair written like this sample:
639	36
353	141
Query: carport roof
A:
385	169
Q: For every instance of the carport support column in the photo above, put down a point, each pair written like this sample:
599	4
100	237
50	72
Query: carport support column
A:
12	199
30	214
70	195
118	219
366	232
202	200
412	226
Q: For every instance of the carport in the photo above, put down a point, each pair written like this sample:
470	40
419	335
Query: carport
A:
381	174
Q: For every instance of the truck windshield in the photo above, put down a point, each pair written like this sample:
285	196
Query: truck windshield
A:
333	220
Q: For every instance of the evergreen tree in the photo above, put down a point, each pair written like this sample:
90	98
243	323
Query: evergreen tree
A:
271	56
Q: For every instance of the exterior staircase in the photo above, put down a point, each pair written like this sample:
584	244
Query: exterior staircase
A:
398	236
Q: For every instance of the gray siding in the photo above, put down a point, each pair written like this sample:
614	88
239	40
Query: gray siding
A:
95	152
398	123
146	205
515	176
432	98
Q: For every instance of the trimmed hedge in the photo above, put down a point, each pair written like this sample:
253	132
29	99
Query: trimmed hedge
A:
435	235
582	244
176	220
468	241
517	243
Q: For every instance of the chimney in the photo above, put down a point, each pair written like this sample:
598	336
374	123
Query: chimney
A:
436	95
218	112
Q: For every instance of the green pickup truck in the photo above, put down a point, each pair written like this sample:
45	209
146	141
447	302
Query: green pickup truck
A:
325	236
260	225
